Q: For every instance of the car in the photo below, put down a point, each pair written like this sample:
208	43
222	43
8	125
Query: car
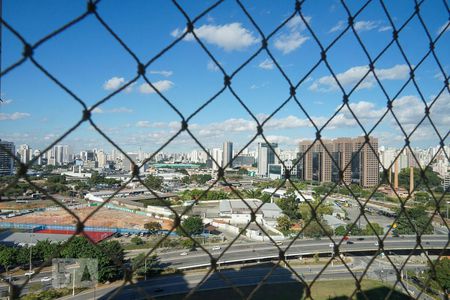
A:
278	243
46	279
360	239
183	253
345	238
376	243
29	273
350	243
216	248
158	290
331	245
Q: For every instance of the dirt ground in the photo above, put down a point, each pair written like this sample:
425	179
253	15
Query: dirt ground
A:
104	217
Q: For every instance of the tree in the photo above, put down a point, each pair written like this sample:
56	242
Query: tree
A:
153	226
7	257
419	219
376	229
145	265
442	268
137	240
191	225
289	207
153	182
340	230
432	179
321	209
315	230
284	223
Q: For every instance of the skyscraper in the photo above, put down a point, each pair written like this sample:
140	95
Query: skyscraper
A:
227	154
24	153
266	156
322	162
217	155
6	161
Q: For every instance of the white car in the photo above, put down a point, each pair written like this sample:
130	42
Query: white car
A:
278	243
46	279
331	245
376	244
29	273
183	253
216	248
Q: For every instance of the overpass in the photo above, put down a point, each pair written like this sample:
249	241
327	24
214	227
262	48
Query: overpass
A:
261	252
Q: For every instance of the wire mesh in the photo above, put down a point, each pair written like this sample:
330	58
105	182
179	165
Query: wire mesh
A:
94	12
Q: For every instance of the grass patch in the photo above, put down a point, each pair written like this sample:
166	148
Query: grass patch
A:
333	289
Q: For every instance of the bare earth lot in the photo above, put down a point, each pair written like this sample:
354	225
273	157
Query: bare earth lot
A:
104	217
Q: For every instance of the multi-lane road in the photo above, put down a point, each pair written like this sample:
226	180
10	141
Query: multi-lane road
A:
251	252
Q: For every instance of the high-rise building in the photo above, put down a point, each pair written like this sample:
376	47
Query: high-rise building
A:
24	153
266	156
227	154
217	155
7	150
323	162
62	154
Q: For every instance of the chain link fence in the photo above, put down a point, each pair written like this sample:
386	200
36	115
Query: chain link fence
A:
94	11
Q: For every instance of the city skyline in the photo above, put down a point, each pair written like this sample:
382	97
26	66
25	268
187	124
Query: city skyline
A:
139	117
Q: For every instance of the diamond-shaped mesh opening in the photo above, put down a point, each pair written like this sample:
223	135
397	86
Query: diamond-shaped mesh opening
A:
330	196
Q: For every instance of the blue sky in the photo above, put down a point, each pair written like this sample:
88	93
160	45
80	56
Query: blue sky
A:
92	64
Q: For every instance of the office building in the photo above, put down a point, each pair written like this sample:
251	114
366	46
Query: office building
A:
7	150
266	156
323	162
227	154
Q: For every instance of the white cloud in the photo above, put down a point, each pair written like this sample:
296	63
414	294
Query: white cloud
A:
176	32
266	64
162	72
229	37
162	85
338	27
6	102
211	66
445	26
359	26
98	110
14	116
143	124
113	83
287	43
384	28
354	74
296	23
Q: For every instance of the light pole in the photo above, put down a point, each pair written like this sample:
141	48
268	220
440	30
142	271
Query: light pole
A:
145	268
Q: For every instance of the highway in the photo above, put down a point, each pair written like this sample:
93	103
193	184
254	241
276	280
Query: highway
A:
251	252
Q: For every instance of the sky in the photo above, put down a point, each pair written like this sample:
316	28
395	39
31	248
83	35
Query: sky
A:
92	64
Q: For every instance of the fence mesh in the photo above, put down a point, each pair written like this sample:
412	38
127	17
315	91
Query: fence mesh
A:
94	12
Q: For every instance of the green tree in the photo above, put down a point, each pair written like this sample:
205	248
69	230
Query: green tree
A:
340	230
432	179
192	225
187	243
284	223
321	209
289	206
442	268
419	219
145	266
315	230
45	250
376	229
7	257
137	240
153	182
153	226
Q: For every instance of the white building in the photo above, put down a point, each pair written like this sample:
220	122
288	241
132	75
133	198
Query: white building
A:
240	213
